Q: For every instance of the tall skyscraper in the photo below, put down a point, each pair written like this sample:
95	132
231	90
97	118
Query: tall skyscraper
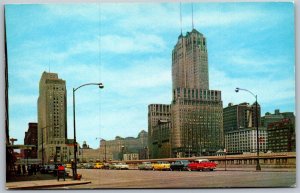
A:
52	118
194	123
189	62
197	112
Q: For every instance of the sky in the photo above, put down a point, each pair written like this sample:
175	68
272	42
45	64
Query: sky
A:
128	46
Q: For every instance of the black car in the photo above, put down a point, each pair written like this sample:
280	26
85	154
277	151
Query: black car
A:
180	165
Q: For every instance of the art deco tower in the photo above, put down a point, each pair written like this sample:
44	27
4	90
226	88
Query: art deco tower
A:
189	62
52	116
197	112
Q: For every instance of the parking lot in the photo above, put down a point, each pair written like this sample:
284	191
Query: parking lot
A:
187	179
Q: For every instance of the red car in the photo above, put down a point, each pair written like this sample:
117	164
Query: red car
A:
202	164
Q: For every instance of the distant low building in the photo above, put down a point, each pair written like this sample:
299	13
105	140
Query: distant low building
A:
115	149
131	156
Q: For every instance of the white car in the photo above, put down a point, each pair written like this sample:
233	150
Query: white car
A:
121	166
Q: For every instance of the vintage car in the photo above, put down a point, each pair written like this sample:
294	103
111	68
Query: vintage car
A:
180	165
118	166
161	165
112	166
88	166
145	166
121	166
201	165
47	169
98	165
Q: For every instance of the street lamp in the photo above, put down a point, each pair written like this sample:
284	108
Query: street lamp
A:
258	168
122	156
74	125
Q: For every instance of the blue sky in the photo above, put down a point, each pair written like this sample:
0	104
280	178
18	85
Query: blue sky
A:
128	47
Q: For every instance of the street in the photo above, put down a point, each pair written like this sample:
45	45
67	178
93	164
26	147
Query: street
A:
245	178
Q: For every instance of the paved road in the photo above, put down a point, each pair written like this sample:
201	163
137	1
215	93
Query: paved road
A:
184	179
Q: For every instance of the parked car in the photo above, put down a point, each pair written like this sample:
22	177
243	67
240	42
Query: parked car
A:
98	165
145	166
88	166
69	165
112	166
201	165
121	166
106	166
80	166
161	165
47	169
180	165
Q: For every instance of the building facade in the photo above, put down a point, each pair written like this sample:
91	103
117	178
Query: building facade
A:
276	116
159	125
238	116
31	139
197	112
53	145
197	122
281	136
115	149
239	122
244	140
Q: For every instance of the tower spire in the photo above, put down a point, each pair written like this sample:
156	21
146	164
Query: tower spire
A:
180	20
192	16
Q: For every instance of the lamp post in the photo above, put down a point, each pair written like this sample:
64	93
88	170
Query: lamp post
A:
122	156
74	125
258	168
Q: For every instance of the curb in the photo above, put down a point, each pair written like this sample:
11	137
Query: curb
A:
47	185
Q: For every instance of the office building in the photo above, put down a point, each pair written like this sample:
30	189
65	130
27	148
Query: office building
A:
238	116
196	111
159	125
53	145
281	136
243	140
276	116
31	139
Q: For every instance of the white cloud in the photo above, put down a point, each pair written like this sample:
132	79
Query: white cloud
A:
270	91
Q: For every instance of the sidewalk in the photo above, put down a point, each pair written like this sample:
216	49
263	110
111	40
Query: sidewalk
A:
38	184
40	181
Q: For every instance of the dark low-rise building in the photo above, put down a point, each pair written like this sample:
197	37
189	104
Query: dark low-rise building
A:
31	138
281	136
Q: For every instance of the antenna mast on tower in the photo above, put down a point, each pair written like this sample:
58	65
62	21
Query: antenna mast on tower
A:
180	19
192	16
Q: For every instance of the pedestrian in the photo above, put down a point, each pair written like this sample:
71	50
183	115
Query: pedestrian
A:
73	168
23	169
29	169
61	172
34	169
19	170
